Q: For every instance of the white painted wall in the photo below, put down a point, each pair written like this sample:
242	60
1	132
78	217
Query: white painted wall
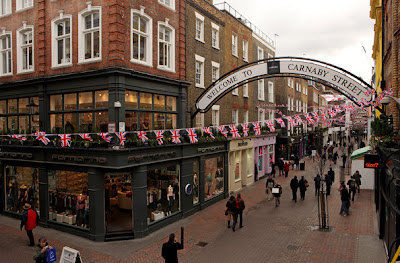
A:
367	174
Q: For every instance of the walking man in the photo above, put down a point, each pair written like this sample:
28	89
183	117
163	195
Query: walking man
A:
239	207
286	167
344	196
170	249
317	181
280	166
278	194
303	187
344	158
357	177
268	187
328	183
331	174
294	184
352	188
30	220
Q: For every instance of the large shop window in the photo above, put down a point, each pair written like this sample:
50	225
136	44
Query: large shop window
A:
68	198
271	153
214	176
238	155
195	182
162	192
17	117
79	112
22	186
147	111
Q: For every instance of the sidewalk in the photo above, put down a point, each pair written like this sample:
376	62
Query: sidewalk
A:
270	234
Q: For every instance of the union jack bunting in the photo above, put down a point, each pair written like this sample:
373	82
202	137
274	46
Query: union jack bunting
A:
85	136
234	131
351	107
160	137
389	92
105	136
291	121
176	137
246	129
323	115
332	112
270	125
122	137
223	131
369	92
281	122
208	131
341	119
18	137
142	135
41	136
192	135
298	119
309	118
315	115
65	140
256	128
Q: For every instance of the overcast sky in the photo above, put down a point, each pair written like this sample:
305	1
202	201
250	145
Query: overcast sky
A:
330	31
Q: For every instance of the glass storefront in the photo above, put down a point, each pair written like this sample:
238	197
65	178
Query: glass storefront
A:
237	165
68	197
214	176
22	186
162	192
16	115
249	162
195	182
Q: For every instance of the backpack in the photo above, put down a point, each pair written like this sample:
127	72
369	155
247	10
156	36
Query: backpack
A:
352	184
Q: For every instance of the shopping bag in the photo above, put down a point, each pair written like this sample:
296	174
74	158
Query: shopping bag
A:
51	255
275	190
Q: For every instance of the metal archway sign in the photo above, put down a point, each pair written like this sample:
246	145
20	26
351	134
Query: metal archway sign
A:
337	78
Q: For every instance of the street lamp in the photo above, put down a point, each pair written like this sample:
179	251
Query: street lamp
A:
32	108
386	100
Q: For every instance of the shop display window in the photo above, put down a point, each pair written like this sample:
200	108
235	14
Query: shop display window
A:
3	107
85	100
195	182
131	121
22	186
159	102
271	153
12	106
101	120
101	99
3	124
70	101
159	121
162	192
249	162
56	102
146	121
131	99
22	105
68	198
214	176
146	101
237	165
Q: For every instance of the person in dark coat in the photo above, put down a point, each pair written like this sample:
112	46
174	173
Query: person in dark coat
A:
357	177
302	188
297	162
230	208
352	188
335	157
317	181
331	174
170	250
30	220
40	255
328	183
280	166
344	158
278	195
294	184
344	196
239	207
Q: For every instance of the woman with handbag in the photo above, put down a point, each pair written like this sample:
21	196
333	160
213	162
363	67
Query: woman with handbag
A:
230	209
277	191
303	184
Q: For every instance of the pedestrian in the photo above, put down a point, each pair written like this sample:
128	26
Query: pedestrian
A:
344	158
324	157
352	188
230	209
273	169
277	195
170	249
30	220
317	181
41	249
297	162
357	177
331	174
335	157
292	160
280	166
303	184
328	183
268	187
286	167
362	144
344	196
294	184
239	207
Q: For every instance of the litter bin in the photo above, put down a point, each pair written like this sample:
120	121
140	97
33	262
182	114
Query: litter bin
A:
303	166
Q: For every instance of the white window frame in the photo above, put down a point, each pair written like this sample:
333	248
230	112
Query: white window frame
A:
270	91
292	104
81	34
288	106
235	92
260	53
306	91
149	37
170	4
214	35
260	116
215	115
20	32
214	71
55	38
6	53
234	44
245	116
235	116
200	120
260	88
199	61
245	50
315	97
7	10
270	55
171	67
246	90
22	5
199	27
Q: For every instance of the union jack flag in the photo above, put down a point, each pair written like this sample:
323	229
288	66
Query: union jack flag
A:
332	112
105	136
323	115
315	115
192	135
389	92
18	137
341	119
65	140
142	135
369	92
122	137
234	131
281	122
223	131
309	118
85	136
291	121
208	131
338	109
298	119
176	137
41	136
246	129
270	125
160	137
256	128
351	107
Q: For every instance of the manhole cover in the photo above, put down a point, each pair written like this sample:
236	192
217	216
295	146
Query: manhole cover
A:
290	247
202	244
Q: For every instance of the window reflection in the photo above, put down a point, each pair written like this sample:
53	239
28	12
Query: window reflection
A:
56	102
70	101
86	121
146	101
102	121
85	100
131	100
22	105
101	99
12	106
131	121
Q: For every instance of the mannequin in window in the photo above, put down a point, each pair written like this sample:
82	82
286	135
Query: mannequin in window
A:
170	197
209	183
81	208
195	184
22	196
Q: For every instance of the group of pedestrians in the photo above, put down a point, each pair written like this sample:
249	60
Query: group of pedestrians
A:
234	209
301	184
354	184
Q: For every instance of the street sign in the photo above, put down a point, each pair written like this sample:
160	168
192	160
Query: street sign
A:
70	255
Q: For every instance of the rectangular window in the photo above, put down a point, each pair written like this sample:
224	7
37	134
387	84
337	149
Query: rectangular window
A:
292	104
5	55
214	35
288	106
91	34
26	50
196	172
159	102
245	50
166	48
234	44
215	115
171	121
168	3
86	121
199	27
131	121
5	7
260	53
101	99
61	44
260	115
146	121
141	38
199	71
213	177
200	120
214	71
159	121
246	90
270	91
70	101
146	101
85	100
131	99
315	95
171	103
235	116
261	89
23	4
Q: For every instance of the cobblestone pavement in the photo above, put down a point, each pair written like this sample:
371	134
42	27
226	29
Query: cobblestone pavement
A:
270	234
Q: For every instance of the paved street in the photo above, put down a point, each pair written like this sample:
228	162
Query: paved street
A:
270	234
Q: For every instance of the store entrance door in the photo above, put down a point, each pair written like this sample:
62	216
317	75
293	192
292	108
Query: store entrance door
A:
118	202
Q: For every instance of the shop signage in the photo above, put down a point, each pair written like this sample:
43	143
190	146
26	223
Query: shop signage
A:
79	159
70	255
210	149
154	156
242	143
188	189
16	155
371	161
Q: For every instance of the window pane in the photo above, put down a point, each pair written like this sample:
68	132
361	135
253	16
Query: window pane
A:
88	22
102	121
88	46
146	120
135	46
171	121
67	50
101	99
70	122
131	121
3	107
171	103
60	51
12	106
70	101
96	44
159	102
67	27
143	48
22	105
12	123
60	29
56	123
85	100
135	22
159	121
3	124
86	121
96	20
214	176
23	123
145	101
131	99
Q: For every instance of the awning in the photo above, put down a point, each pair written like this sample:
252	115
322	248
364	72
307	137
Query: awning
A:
360	152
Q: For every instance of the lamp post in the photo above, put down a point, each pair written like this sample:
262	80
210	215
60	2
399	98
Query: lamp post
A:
32	109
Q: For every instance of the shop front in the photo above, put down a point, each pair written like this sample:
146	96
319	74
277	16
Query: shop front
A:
241	162
264	155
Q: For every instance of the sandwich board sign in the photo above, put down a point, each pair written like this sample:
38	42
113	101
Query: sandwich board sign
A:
70	255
